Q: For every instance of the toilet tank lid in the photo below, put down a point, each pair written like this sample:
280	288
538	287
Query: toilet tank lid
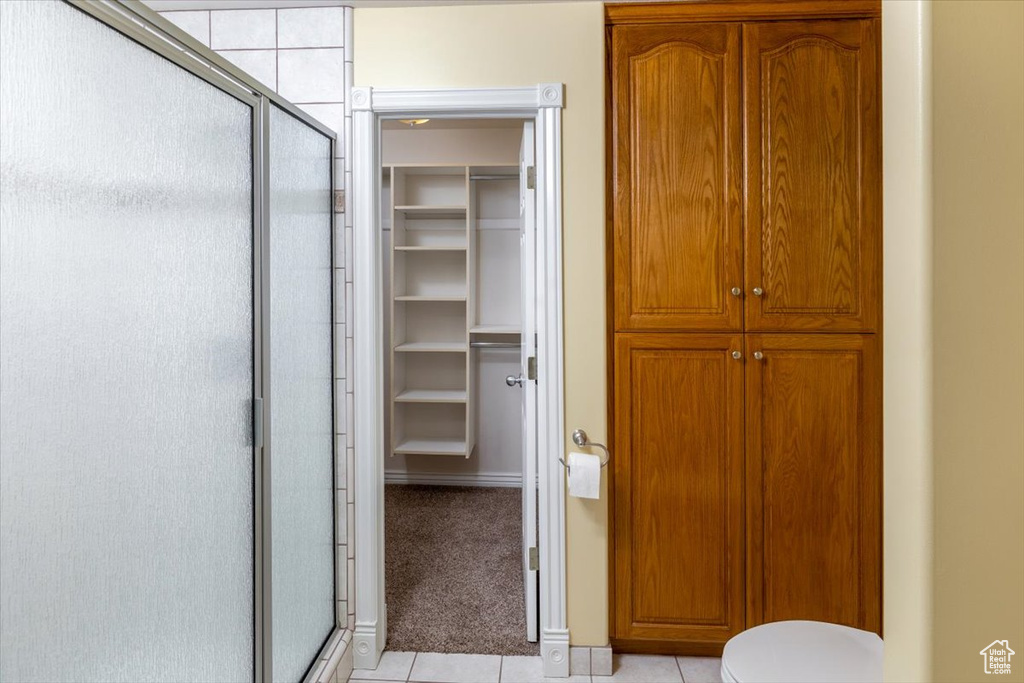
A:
804	652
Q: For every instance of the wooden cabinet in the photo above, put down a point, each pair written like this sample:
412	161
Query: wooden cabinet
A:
813	202
745	216
813	479
679	495
677	177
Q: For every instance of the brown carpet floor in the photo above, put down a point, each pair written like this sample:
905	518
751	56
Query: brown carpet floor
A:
453	570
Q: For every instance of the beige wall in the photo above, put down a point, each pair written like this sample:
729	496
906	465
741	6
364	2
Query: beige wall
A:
516	45
978	143
953	76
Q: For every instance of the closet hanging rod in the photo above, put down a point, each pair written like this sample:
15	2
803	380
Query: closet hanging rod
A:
494	177
495	345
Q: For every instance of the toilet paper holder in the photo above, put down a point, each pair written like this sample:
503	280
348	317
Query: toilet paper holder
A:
580	438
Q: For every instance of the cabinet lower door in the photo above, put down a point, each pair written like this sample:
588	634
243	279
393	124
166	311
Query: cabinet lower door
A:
813	479
678	487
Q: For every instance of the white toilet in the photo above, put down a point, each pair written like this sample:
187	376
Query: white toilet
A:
802	652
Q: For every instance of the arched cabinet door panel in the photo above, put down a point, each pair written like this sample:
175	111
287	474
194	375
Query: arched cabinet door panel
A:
677	177
813	196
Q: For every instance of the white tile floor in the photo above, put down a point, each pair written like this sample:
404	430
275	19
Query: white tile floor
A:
430	667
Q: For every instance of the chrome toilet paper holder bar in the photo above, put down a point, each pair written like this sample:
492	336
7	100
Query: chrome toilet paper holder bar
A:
580	438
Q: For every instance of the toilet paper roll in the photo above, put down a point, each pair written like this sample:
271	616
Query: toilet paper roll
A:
584	475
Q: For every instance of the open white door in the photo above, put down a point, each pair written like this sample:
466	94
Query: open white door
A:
527	260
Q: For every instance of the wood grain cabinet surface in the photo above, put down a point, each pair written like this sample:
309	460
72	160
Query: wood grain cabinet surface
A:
813	484
745	306
679	495
813	209
677	177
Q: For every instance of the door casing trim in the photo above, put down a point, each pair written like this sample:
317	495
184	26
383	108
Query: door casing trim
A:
543	103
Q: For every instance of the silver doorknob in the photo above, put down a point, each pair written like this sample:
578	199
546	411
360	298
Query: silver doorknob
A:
758	355
735	291
512	380
758	291
737	355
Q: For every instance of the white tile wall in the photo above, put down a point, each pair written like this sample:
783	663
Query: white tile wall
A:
316	75
259	63
579	660
311	27
243	29
306	55
601	661
331	114
196	24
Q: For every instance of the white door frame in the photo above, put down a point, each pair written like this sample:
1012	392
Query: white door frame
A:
543	103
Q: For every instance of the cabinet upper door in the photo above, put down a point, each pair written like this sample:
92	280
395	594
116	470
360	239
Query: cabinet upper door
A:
678	488
676	159
813	195
813	487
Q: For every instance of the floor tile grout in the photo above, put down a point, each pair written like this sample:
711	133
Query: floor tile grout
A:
680	667
586	678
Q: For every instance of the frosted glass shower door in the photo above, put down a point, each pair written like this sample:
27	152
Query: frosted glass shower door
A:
301	424
126	360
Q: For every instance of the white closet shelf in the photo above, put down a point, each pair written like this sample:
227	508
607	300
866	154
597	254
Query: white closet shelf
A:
431	396
431	210
432	447
411	297
495	329
452	247
431	347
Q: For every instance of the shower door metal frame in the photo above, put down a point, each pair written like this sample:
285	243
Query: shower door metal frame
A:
142	25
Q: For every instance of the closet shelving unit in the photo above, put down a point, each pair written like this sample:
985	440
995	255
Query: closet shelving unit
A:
435	313
430	296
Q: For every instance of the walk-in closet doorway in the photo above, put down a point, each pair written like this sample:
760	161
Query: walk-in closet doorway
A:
445	285
457	230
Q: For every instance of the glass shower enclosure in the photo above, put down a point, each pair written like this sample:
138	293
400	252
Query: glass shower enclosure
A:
166	379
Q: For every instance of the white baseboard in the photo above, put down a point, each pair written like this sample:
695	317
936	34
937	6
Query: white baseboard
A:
493	479
368	645
554	653
590	661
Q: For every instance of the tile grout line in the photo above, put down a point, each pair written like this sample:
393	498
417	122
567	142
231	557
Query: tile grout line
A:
273	49
412	666
320	102
680	667
501	663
